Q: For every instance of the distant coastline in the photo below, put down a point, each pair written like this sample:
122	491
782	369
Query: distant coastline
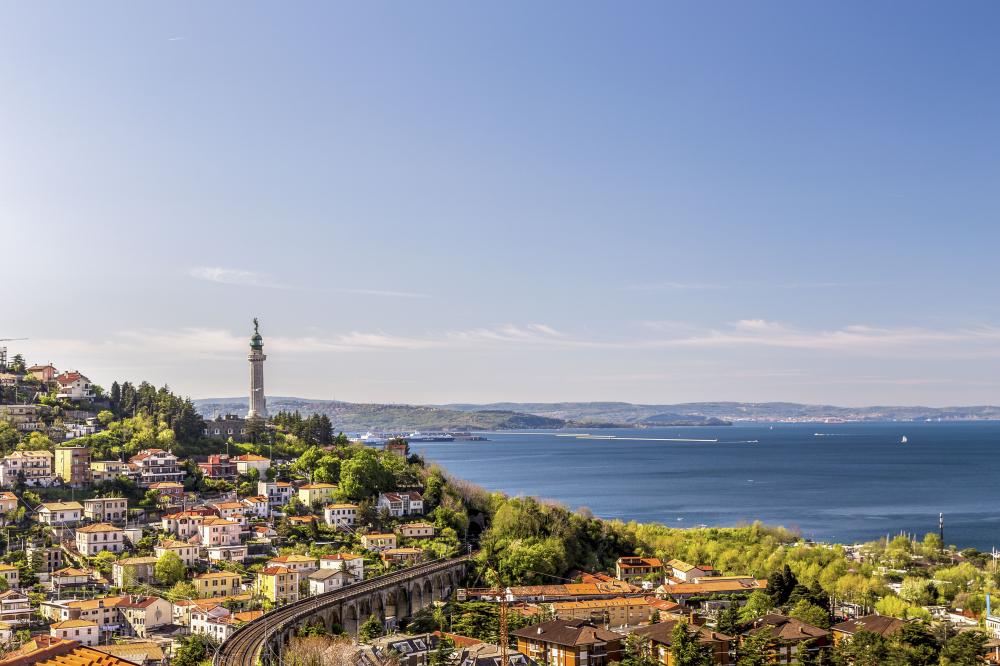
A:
360	417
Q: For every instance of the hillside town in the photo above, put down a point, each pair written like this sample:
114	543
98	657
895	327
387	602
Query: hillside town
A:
124	545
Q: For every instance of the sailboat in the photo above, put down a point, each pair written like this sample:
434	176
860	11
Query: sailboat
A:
904	440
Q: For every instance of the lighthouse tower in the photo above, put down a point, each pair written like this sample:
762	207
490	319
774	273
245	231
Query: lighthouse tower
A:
258	404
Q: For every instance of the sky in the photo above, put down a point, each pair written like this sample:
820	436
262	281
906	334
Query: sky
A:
469	202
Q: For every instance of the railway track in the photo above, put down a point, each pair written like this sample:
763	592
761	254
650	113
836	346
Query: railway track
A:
244	647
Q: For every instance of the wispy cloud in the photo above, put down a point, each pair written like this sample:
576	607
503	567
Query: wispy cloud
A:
860	338
691	286
241	277
380	292
234	276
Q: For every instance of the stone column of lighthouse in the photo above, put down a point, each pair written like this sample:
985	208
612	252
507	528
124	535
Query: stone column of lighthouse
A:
258	404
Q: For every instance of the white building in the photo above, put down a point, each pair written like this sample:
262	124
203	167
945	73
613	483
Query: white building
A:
340	515
277	492
74	386
219	532
408	503
257	506
328	580
349	562
36	466
93	539
250	461
187	552
60	513
104	509
83	631
157	465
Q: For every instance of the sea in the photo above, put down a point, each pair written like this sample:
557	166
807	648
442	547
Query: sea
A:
841	483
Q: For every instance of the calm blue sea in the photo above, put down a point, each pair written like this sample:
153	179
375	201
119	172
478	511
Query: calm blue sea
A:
855	482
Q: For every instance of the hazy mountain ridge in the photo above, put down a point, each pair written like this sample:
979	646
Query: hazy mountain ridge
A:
624	412
358	417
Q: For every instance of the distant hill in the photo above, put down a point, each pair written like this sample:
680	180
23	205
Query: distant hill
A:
624	412
360	417
357	417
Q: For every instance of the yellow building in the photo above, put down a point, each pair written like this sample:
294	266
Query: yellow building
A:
316	492
11	574
72	465
217	584
378	540
278	584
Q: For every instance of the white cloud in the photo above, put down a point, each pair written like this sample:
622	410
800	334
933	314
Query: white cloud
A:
234	276
240	277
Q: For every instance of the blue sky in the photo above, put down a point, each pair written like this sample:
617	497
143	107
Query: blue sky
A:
431	202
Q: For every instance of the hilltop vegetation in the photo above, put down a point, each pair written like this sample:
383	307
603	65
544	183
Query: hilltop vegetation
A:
357	417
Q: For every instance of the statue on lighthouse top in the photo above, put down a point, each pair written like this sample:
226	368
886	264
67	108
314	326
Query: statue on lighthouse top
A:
258	404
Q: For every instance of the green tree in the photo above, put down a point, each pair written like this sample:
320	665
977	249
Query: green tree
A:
443	653
755	649
686	648
363	476
103	561
810	614
914	645
729	621
170	568
758	604
638	652
182	590
965	649
194	649
864	648
370	629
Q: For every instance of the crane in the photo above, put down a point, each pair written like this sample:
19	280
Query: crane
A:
3	351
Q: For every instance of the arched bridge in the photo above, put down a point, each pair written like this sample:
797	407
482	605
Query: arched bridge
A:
399	594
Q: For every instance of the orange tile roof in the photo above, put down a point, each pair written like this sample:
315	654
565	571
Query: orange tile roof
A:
99	527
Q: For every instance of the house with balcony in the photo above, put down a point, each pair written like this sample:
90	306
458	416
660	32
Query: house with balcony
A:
35	467
277	492
105	509
219	466
659	639
406	503
257	506
15	608
184	524
569	643
72	465
639	568
156	465
74	386
109	470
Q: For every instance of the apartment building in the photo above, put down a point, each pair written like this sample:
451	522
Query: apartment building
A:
72	465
